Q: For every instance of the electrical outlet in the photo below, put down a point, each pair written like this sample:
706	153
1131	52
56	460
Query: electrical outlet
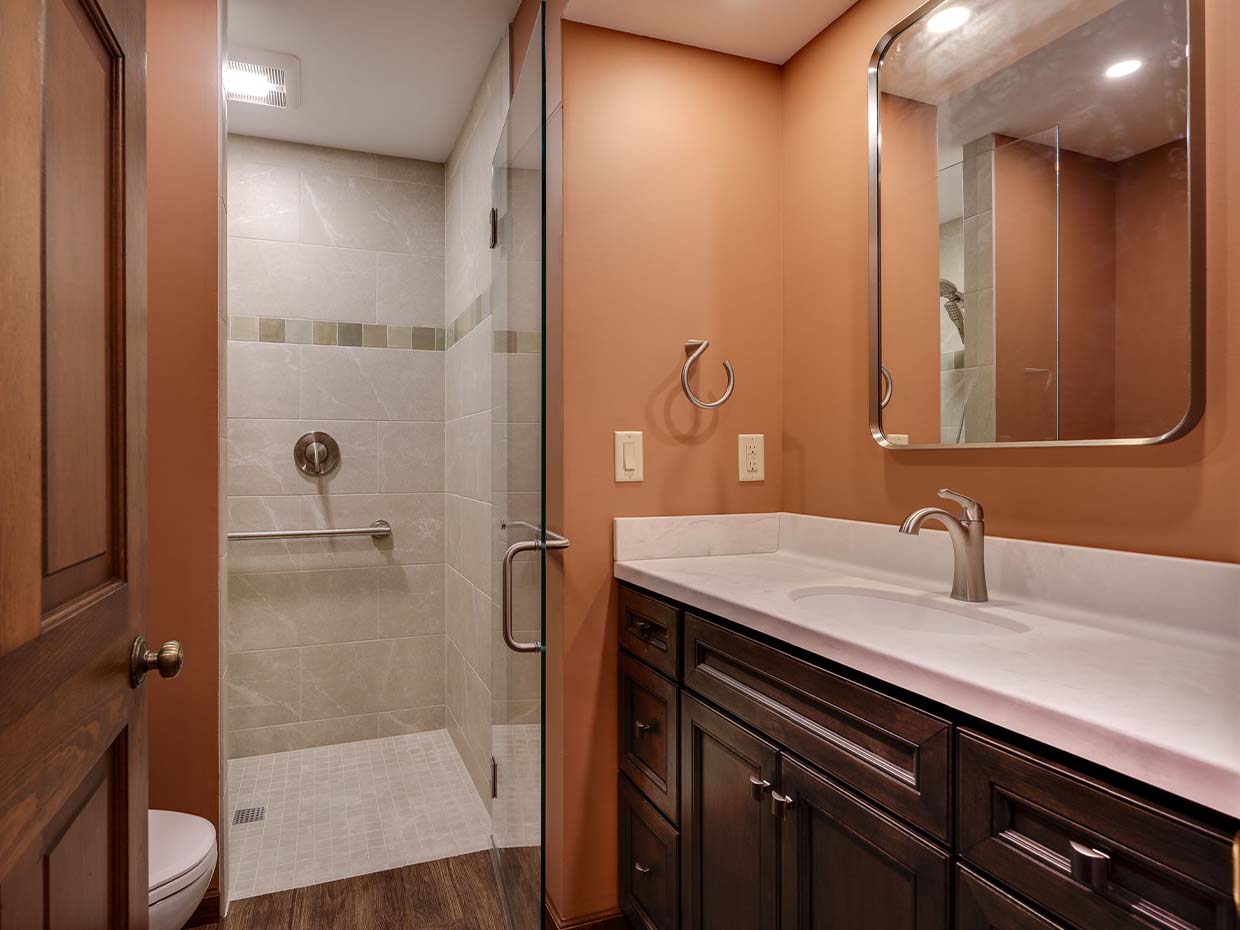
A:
751	456
629	464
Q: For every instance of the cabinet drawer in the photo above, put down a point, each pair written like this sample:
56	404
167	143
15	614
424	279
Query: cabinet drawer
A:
894	753
650	630
982	906
649	734
649	864
1032	824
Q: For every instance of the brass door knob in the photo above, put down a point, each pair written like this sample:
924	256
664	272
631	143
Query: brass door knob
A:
167	660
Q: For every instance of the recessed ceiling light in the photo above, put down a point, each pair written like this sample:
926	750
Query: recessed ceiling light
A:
241	82
1124	68
946	20
269	79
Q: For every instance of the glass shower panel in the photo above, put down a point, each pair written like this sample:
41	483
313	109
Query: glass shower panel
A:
517	310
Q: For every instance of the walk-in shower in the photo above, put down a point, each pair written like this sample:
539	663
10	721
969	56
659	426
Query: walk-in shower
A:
385	450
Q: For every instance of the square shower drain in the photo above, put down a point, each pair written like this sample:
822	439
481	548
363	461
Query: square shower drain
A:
248	815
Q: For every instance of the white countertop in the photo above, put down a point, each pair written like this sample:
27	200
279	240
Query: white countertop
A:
1153	697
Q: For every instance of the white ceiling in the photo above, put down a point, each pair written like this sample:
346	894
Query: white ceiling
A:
768	30
395	77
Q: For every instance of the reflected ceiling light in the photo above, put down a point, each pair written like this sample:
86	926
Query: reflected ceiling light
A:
1124	68
946	20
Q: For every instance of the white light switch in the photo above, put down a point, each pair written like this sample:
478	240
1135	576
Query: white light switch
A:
629	456
751	456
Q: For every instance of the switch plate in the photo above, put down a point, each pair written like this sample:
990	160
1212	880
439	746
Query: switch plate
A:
751	456
629	457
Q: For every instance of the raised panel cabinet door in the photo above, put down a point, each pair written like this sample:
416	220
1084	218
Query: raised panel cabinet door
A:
729	836
73	793
846	864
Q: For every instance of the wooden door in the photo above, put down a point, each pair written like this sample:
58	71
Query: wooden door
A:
847	864
729	836
72	415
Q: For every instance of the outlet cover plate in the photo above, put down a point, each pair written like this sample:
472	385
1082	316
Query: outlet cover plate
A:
751	456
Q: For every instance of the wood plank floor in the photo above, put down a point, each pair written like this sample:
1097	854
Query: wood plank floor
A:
451	894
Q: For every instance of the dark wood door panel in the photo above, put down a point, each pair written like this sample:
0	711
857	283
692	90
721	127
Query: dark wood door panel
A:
73	873
650	734
845	863
73	795
84	261
983	906
650	630
1020	817
649	863
729	835
894	753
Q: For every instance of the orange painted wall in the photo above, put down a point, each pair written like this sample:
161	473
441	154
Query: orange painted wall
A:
1032	230
1025	243
1176	499
910	270
671	231
183	371
1151	373
668	231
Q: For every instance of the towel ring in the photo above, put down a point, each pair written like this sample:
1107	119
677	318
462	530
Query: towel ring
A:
885	375
694	349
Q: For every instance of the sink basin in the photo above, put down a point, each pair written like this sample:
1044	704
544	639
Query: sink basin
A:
910	613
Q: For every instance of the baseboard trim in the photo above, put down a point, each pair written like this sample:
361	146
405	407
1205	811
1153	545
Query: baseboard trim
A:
207	912
610	919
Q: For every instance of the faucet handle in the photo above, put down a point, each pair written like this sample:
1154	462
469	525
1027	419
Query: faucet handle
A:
972	509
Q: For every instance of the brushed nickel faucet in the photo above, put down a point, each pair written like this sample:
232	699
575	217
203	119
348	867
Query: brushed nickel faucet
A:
968	535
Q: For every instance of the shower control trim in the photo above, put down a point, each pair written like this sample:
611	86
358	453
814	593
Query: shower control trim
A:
316	454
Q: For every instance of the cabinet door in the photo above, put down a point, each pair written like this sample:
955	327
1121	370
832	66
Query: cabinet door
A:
845	864
729	836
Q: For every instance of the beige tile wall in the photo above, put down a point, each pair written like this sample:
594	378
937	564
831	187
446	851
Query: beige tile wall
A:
470	518
330	641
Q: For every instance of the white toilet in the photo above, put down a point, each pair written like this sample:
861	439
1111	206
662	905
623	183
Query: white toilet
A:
182	857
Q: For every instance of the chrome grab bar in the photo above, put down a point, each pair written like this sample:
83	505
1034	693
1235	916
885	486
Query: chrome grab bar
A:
885	375
380	529
552	541
694	349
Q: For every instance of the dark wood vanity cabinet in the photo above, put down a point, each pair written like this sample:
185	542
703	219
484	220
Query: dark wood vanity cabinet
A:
1095	856
761	791
729	833
844	863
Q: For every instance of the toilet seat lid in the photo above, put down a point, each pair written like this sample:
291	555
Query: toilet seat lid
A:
181	846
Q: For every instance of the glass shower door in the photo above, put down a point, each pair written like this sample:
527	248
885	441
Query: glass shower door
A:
518	475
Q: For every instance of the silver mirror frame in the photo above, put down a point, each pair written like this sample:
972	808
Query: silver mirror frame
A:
1195	140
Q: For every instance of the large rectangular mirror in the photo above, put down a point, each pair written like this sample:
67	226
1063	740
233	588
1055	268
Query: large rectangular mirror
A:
1037	229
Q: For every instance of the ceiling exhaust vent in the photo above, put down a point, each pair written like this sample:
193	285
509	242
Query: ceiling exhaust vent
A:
268	79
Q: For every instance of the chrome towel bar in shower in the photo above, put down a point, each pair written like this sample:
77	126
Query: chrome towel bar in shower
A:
380	529
694	349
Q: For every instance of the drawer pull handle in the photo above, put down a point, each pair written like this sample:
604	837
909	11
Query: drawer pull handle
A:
780	804
1090	867
758	786
641	729
641	869
643	629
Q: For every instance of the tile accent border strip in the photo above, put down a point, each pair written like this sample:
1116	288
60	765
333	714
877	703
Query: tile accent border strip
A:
334	333
375	335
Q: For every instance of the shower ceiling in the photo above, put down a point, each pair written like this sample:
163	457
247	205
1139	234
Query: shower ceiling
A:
396	77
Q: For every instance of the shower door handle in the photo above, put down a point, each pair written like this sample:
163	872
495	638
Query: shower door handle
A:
553	541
